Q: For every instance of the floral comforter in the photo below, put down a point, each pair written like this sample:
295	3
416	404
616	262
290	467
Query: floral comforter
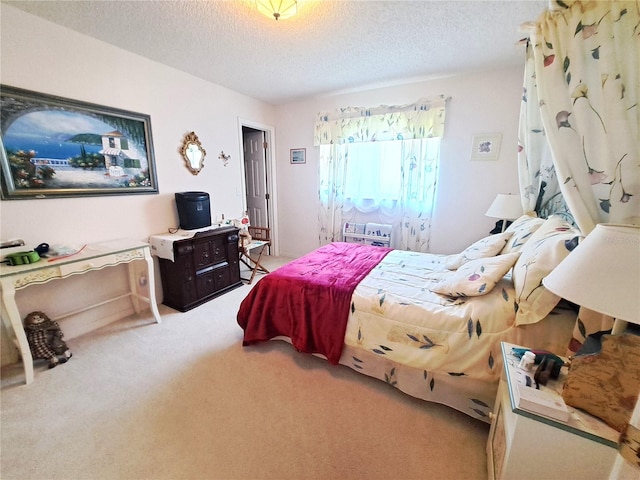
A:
395	315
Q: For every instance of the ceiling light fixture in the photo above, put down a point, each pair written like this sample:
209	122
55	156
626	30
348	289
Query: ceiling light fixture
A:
277	8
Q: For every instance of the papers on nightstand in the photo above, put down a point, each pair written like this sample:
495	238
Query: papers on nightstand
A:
543	402
578	422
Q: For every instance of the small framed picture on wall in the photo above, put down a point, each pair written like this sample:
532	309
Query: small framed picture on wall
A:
298	155
486	146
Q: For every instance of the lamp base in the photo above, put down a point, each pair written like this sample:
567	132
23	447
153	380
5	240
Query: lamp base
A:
500	227
606	384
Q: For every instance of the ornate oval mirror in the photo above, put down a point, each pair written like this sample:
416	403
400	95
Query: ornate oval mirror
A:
193	153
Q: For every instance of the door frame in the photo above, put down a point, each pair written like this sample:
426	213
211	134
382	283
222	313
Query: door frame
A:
270	169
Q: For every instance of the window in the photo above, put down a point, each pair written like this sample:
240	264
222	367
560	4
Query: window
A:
388	172
374	171
380	162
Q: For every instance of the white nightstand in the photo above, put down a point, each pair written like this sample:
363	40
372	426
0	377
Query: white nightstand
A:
525	445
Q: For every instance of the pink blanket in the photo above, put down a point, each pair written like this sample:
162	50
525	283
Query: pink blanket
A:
308	299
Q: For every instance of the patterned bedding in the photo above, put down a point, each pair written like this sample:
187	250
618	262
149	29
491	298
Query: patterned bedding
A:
394	314
439	347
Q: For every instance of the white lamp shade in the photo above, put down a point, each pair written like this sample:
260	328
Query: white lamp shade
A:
505	206
603	272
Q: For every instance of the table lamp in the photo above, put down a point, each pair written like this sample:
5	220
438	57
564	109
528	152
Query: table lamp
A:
506	207
603	274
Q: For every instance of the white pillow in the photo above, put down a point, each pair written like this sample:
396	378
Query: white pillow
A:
522	230
547	247
476	277
485	247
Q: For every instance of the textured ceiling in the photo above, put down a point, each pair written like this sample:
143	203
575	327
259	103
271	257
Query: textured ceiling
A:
328	46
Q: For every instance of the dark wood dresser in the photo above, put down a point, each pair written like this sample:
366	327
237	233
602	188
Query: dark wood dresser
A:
205	266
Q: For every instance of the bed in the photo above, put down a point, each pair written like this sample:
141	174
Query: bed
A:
429	325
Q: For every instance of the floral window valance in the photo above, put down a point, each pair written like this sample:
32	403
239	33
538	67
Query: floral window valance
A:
423	119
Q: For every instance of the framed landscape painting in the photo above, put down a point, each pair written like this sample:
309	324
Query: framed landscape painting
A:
57	147
298	155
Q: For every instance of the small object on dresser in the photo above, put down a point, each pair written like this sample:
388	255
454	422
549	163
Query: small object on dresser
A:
23	258
542	402
527	360
12	243
548	368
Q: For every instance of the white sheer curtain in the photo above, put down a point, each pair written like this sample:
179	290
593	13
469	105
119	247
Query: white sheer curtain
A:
382	160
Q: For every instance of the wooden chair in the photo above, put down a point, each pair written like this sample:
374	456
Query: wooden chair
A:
260	240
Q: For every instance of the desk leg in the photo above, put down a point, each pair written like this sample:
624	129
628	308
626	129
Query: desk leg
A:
10	310
133	286
152	285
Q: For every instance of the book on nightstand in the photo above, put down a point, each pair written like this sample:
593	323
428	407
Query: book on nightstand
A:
543	402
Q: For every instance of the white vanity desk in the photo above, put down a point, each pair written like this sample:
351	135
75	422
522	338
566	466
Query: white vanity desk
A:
92	257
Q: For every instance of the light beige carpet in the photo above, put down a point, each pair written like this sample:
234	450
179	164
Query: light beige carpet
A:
184	400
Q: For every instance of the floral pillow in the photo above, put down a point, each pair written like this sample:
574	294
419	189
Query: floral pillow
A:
547	247
476	277
486	247
522	229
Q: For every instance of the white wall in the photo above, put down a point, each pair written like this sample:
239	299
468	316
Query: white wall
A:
480	103
41	56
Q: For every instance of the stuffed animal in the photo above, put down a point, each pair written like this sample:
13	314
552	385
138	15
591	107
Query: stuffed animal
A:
46	339
245	238
243	225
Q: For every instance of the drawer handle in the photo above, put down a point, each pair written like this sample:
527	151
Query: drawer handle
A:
492	416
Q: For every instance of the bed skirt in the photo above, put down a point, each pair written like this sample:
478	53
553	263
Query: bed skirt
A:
473	397
468	395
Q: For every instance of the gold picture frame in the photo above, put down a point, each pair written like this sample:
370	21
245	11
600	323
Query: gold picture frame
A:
73	149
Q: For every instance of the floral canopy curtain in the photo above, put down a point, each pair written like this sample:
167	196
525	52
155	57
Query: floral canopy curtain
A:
585	86
587	67
537	175
409	124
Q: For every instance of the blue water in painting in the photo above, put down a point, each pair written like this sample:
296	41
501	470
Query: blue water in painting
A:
48	149
48	131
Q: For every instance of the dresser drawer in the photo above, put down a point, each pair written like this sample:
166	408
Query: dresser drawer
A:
205	282
221	277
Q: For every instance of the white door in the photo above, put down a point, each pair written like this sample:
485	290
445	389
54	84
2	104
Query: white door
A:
255	177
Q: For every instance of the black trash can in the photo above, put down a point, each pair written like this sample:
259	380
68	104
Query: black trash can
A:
194	210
